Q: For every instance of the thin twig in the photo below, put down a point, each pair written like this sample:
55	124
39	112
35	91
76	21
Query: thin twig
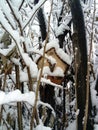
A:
5	76
21	4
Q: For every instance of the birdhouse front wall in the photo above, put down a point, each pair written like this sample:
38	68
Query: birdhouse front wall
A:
59	63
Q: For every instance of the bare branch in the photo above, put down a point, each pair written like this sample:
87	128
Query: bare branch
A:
21	4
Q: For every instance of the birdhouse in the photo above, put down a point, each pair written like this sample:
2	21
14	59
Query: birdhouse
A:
56	62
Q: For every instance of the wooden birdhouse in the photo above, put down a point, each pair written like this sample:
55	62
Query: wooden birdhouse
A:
56	63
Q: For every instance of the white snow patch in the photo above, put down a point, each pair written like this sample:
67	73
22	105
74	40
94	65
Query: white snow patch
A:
94	97
33	67
17	96
64	56
77	112
53	43
58	100
15	61
23	76
41	127
16	3
7	12
72	126
96	127
5	52
51	59
61	29
57	72
64	26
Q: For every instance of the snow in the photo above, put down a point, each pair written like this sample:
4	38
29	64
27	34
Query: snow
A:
8	27
47	81
57	71
41	127
64	56
52	44
7	12
72	126
15	61
17	96
47	7
16	12
94	97
61	29
77	112
64	26
4	128
16	3
58	101
23	76
95	127
31	64
51	59
5	52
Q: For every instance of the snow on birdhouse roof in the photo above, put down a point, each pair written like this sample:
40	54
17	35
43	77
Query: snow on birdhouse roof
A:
57	72
60	52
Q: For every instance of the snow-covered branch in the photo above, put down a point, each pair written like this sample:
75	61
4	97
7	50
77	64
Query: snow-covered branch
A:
17	96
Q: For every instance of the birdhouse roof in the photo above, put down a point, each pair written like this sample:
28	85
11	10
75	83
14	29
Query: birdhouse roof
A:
60	52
